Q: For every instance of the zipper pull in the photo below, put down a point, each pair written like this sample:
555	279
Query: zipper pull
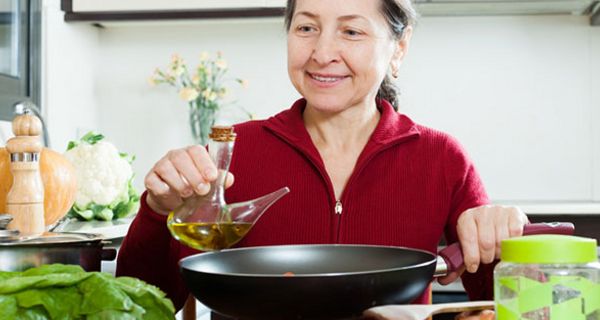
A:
338	207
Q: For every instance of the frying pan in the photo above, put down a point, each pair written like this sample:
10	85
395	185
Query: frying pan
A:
328	281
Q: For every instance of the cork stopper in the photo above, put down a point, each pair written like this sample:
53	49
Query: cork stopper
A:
27	129
222	133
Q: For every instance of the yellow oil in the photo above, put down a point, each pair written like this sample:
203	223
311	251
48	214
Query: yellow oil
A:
208	236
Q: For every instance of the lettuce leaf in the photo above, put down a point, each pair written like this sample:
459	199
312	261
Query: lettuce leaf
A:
68	292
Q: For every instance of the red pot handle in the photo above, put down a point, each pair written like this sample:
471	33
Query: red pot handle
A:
453	255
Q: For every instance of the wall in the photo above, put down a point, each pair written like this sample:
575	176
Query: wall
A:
595	105
149	120
517	91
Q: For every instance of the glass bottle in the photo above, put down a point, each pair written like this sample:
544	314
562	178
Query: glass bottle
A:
548	277
206	222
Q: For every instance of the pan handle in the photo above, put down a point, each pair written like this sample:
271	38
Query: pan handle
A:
108	254
452	256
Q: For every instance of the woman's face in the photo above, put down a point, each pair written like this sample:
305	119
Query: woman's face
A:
339	52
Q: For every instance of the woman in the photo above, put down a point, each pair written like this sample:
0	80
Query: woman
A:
359	171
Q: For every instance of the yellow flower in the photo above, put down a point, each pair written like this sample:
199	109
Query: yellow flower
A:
177	70
204	56
221	64
176	59
177	65
196	80
204	81
188	94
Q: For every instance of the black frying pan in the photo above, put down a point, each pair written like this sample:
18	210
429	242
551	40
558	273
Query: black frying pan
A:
329	281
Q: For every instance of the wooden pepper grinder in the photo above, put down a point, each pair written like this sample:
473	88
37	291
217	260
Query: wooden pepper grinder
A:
25	200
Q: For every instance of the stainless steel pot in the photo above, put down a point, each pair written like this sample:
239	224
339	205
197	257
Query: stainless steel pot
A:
84	249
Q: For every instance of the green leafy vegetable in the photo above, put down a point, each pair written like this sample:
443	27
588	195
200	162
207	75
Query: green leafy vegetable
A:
89	138
68	292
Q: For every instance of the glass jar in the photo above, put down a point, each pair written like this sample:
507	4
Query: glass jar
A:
548	277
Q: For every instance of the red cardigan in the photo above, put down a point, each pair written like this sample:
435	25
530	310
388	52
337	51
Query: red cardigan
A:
408	188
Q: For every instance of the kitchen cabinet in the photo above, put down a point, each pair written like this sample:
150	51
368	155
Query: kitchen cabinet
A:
111	10
115	10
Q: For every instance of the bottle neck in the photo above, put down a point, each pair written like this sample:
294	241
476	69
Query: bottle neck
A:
220	152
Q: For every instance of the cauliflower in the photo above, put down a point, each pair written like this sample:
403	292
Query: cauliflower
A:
104	177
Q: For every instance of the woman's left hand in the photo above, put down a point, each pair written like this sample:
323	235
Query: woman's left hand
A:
480	232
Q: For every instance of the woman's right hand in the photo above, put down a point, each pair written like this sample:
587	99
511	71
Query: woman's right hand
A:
178	175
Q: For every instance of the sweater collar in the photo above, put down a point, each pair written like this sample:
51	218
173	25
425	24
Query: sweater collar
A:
392	127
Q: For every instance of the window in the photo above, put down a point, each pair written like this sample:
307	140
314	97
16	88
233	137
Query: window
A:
20	45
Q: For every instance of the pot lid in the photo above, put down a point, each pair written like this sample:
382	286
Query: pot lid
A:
12	238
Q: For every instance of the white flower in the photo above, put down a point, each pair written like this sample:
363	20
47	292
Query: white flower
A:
212	96
206	93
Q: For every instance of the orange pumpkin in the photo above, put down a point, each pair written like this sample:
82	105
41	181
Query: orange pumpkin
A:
58	176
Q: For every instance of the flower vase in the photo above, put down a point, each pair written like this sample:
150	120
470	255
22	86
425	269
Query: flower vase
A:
202	118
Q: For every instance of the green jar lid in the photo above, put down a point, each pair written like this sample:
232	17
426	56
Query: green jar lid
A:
549	248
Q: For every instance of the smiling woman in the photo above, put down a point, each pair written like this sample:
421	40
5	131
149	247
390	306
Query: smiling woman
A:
361	46
359	171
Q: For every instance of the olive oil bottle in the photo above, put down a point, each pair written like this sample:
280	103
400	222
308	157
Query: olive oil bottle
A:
206	222
209	236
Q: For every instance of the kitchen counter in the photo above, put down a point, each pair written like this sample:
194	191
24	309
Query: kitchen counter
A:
118	228
114	229
558	208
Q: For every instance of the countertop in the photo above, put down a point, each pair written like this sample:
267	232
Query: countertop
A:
118	228
557	208
114	229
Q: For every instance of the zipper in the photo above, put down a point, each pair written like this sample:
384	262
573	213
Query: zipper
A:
357	171
338	203
338	207
321	169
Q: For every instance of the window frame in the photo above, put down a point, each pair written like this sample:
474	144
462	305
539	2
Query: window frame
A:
25	86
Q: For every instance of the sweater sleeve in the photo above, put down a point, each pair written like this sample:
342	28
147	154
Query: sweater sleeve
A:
148	253
466	191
